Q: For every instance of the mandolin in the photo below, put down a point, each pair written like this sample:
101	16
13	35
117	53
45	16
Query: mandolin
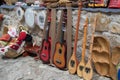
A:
59	57
46	44
88	70
73	62
81	65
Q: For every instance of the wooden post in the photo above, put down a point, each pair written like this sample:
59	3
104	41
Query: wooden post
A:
69	31
53	33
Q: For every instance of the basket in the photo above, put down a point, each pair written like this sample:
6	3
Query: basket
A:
50	0
10	2
11	53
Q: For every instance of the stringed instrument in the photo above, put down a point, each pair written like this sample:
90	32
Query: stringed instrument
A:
73	62
59	57
88	70
81	65
46	44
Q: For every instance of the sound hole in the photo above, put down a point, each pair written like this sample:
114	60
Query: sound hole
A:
45	47
60	51
72	63
87	70
81	68
58	61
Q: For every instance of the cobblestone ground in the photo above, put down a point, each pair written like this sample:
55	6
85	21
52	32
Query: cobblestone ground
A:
28	69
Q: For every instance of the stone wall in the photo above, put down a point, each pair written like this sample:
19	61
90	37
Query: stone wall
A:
108	25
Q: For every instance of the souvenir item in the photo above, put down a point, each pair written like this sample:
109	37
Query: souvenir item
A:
12	31
88	70
29	17
15	49
3	43
59	58
63	1
19	13
81	65
29	1
98	3
10	2
46	44
114	4
41	19
101	55
5	30
50	0
5	37
73	62
30	46
33	49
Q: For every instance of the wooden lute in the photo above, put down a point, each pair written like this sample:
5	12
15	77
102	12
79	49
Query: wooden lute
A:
73	62
81	65
88	70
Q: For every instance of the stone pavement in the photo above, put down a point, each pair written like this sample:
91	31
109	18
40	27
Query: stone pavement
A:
26	68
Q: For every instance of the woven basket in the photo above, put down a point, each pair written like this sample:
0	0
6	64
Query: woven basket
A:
11	53
50	0
10	2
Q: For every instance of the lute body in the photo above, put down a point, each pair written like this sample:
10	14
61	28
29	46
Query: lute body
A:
73	62
81	65
88	70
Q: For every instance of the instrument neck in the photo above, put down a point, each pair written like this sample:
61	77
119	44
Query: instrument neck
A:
84	43
47	31
92	38
77	28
